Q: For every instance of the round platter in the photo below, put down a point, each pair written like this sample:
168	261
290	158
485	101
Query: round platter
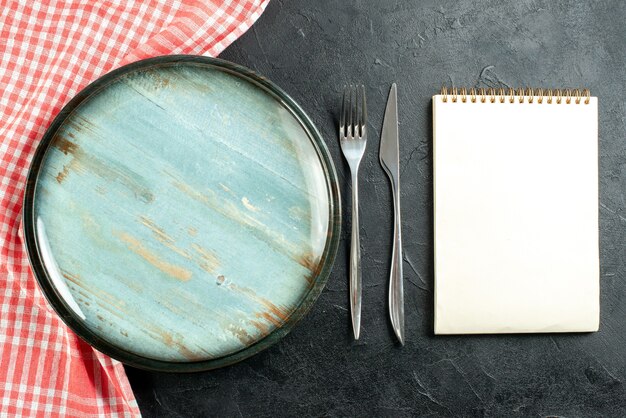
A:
181	213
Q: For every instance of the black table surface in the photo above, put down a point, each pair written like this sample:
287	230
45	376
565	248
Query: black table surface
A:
312	49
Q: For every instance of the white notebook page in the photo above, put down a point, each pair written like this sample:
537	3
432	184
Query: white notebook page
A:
516	216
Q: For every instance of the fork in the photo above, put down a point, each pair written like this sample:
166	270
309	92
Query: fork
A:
353	138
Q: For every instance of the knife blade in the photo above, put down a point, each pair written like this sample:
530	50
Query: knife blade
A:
390	160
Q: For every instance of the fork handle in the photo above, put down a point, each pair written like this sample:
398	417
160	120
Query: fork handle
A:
355	261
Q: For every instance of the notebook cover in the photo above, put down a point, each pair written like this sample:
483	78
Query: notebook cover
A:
516	216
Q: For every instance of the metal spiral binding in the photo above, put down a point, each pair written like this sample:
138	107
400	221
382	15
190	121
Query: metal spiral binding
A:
527	95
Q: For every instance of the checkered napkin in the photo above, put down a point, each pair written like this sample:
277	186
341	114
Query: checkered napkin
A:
49	50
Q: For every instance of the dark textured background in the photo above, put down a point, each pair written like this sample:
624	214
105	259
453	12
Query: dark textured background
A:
311	49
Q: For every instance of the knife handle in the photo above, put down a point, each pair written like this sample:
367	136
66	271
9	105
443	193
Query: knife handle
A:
355	261
396	286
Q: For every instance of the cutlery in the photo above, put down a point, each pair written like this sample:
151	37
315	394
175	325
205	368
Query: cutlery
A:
353	138
389	159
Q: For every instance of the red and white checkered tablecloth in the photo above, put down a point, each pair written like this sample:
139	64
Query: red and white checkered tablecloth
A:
49	50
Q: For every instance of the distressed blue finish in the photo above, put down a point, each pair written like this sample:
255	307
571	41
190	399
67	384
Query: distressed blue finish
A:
185	211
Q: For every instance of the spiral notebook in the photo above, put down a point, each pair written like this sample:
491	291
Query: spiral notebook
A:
516	211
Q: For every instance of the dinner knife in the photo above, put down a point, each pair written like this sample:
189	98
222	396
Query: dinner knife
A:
390	160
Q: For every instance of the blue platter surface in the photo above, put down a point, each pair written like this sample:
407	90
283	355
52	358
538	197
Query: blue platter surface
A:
182	213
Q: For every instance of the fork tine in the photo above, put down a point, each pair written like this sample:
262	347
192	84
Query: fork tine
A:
363	111
342	115
357	113
352	114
